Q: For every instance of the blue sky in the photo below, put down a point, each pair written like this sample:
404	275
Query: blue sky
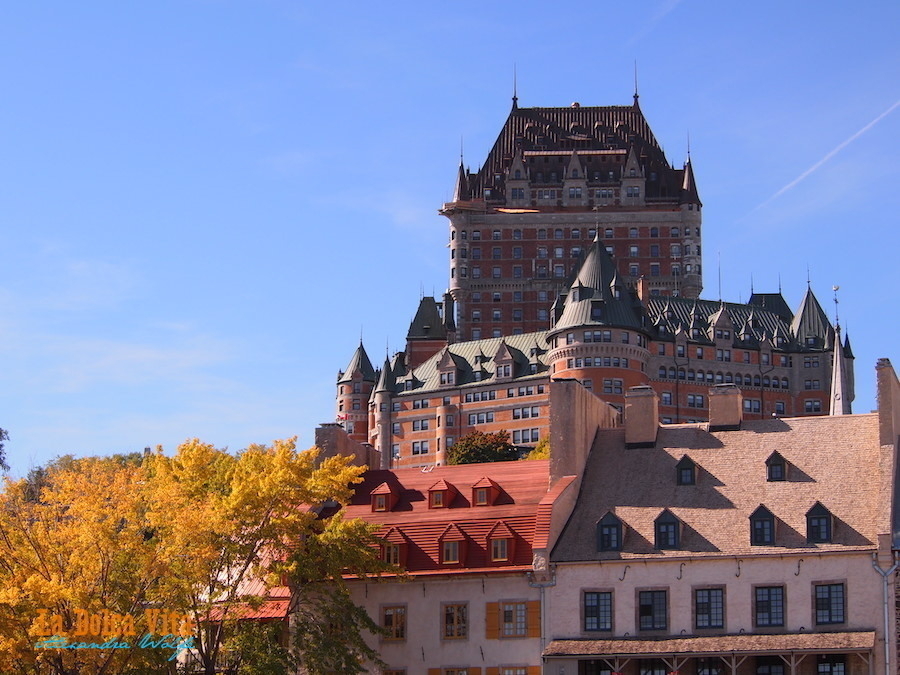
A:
204	204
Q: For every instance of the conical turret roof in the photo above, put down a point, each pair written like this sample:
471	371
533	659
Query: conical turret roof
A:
360	361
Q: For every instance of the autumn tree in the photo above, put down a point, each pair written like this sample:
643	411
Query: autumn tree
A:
541	450
481	447
4	436
204	532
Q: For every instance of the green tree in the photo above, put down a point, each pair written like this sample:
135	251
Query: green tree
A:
479	447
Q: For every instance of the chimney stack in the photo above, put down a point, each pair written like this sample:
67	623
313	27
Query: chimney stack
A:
726	405
641	417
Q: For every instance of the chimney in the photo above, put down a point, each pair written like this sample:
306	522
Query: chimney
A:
726	405
641	417
643	290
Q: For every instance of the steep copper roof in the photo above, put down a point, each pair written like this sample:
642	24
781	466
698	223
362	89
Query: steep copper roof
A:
832	460
718	644
522	484
359	361
584	129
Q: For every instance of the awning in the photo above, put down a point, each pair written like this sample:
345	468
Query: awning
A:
715	645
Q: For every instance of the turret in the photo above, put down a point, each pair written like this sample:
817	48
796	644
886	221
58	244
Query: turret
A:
354	387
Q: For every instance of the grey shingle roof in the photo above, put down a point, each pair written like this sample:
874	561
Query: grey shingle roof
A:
359	361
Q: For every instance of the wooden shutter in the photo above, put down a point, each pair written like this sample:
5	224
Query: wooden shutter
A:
534	618
533	670
473	671
492	620
434	671
492	670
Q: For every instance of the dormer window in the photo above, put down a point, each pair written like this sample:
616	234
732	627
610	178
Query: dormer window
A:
609	533
437	499
452	544
379	503
686	472
762	527
450	552
776	468
441	494
484	492
390	553
667	530
383	498
481	497
499	550
818	524
501	543
393	547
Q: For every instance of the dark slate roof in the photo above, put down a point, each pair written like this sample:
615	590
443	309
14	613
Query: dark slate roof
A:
587	129
597	282
359	361
689	194
833	460
386	379
478	355
812	322
676	314
427	324
774	302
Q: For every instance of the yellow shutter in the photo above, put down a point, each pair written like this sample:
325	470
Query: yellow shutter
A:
534	618
533	670
492	620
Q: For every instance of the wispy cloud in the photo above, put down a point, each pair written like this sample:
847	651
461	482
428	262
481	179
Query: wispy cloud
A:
647	26
828	157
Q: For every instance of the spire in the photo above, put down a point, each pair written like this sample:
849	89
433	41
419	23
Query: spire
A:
689	194
810	326
461	189
386	380
636	95
515	105
840	396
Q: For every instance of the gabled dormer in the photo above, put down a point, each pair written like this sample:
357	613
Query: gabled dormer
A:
819	524
501	544
610	533
776	468
504	362
485	492
686	472
384	498
633	180
762	527
441	495
394	547
667	531
452	546
517	174
722	326
448	368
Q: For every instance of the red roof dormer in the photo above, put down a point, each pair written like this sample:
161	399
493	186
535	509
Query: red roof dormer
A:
441	495
394	547
485	492
501	544
452	546
384	498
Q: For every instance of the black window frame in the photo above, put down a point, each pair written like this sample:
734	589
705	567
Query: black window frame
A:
653	609
709	602
830	603
597	616
768	606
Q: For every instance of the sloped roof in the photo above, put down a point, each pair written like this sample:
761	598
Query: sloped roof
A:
428	323
598	129
678	312
774	302
834	460
811	321
523	485
477	355
359	361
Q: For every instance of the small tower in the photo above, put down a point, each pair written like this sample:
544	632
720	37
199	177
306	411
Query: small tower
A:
428	332
354	387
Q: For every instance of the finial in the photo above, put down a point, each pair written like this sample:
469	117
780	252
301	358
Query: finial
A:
779	283
515	88
689	146
636	95
719	260
460	149
808	282
751	284
837	320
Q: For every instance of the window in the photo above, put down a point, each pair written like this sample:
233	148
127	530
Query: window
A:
609	533
395	427
768	606
456	621
833	664
769	665
513	619
449	552
393	620
818	524
597	610
762	527
379	503
695	400
812	406
685	472
499	550
776	469
667	528
420	425
709	608
420	447
652	611
829	603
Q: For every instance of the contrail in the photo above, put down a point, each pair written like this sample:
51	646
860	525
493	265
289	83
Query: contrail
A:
831	154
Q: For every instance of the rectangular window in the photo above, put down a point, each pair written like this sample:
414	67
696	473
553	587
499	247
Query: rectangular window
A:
420	425
709	608
450	552
499	549
768	606
597	610
652	614
514	619
456	621
829	603
394	622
